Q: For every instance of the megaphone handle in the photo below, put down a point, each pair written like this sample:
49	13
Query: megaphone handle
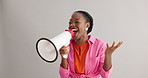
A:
65	55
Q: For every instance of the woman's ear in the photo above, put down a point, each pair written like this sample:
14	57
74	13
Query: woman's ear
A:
87	25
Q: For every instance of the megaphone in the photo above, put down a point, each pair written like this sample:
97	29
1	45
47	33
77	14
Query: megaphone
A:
48	49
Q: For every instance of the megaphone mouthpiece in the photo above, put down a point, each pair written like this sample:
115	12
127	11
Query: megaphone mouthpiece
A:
71	32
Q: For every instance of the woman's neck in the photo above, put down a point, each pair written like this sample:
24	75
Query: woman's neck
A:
82	40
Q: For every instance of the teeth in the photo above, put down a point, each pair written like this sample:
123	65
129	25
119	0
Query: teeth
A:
74	29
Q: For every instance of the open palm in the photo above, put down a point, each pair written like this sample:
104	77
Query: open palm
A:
112	48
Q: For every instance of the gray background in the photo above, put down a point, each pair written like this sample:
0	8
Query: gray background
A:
23	22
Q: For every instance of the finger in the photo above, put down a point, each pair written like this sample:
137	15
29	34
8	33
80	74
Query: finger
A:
107	45
113	44
64	49
63	46
66	46
118	45
64	52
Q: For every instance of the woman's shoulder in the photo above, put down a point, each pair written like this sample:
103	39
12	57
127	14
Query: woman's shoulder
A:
96	40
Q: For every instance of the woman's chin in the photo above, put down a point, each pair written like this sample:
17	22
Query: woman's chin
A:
75	37
75	34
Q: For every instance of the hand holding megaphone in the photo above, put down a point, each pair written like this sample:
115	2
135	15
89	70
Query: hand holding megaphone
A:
64	51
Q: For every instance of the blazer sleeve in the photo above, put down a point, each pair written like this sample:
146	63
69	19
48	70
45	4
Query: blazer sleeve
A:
64	73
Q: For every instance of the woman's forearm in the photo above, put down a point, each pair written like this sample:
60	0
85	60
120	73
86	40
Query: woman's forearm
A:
64	63
64	50
108	53
107	62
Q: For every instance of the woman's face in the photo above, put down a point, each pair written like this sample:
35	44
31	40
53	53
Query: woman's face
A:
78	24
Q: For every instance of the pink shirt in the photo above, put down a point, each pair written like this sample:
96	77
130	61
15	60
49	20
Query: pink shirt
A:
93	64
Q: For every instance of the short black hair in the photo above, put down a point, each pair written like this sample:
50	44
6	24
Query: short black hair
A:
88	18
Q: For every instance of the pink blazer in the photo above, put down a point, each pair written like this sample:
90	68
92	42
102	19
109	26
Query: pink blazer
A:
94	61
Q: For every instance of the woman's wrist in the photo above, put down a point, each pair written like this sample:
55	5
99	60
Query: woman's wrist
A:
107	62
108	55
64	63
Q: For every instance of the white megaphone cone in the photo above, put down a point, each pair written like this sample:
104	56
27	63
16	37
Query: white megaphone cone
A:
48	48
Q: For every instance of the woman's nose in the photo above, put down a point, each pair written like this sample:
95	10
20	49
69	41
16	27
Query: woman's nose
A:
72	25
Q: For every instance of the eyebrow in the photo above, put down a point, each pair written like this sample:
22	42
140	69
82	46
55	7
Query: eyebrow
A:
74	19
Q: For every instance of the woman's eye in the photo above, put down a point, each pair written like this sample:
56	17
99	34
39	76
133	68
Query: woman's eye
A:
70	23
77	22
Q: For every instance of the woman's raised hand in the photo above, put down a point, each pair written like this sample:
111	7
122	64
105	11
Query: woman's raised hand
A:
112	48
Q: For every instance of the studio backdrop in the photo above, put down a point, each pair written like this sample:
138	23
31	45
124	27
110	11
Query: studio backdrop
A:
23	22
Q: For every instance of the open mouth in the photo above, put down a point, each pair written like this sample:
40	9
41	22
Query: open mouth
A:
75	31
